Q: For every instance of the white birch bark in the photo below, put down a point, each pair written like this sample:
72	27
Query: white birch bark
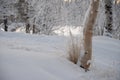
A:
88	28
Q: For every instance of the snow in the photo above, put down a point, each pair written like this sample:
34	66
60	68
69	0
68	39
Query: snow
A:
65	31
39	57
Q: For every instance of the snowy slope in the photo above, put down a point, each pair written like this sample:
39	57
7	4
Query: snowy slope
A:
40	57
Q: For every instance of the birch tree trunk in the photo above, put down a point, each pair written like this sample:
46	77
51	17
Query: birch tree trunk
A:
88	28
117	1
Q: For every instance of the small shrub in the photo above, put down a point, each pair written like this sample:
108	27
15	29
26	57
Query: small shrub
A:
74	49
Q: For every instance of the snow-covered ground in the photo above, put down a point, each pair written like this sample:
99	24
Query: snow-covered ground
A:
40	57
65	31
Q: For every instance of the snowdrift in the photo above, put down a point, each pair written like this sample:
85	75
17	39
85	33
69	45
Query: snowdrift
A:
40	57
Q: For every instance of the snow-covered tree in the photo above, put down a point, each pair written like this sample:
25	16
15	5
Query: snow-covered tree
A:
116	21
109	15
49	15
117	1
